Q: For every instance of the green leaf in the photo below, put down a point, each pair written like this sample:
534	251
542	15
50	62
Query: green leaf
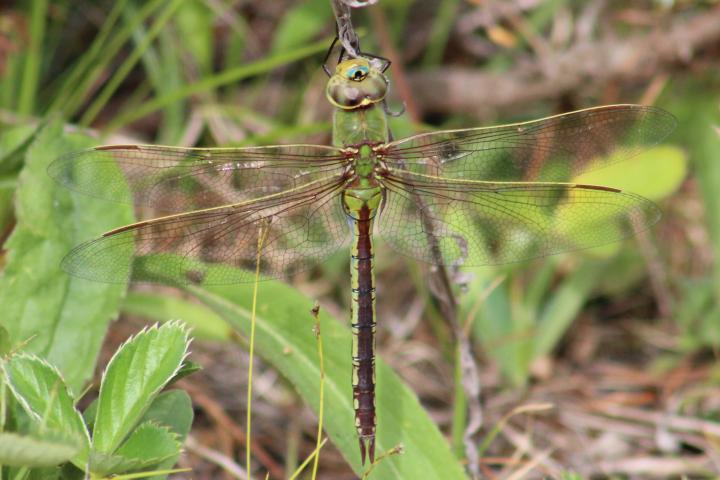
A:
63	319
4	341
47	473
26	451
13	143
186	369
284	337
150	442
205	324
174	410
136	373
42	393
665	165
6	206
147	445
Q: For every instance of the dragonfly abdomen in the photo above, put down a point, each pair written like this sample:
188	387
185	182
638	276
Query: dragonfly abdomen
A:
363	328
361	205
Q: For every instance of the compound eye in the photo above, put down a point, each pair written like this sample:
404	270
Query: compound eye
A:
357	73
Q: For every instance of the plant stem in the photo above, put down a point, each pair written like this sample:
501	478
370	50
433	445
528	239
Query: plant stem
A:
318	337
262	234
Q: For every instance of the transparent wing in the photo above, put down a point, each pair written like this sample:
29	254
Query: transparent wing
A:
550	149
220	245
175	180
453	222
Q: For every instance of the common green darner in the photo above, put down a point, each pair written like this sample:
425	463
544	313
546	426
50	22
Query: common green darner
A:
478	196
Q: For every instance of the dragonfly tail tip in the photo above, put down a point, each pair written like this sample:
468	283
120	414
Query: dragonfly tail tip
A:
367	448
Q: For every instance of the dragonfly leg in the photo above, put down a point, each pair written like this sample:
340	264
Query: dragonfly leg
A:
327	57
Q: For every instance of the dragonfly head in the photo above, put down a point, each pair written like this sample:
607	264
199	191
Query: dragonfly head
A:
356	84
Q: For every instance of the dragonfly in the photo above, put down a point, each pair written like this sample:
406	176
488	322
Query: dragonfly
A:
467	197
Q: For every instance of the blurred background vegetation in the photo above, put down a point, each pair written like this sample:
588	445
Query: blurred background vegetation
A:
597	364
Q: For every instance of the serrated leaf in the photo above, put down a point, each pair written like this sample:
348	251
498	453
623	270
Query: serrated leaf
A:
41	391
61	318
285	338
135	375
102	463
186	369
174	410
27	451
148	445
151	442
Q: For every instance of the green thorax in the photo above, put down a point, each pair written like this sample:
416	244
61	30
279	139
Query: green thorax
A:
367	125
361	129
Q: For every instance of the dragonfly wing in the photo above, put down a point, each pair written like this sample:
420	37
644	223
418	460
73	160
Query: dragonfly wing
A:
220	245
453	222
555	148
176	180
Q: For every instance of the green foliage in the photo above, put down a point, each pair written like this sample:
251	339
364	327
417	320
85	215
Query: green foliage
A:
134	426
206	324
145	363
43	394
698	111
214	81
284	337
60	318
523	319
29	451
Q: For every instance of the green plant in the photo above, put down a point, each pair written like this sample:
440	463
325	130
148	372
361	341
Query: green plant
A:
523	317
131	427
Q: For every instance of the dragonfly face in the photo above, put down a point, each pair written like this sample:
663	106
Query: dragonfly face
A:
356	84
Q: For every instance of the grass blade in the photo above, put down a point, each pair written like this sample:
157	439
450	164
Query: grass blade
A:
31	72
82	67
219	80
129	63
